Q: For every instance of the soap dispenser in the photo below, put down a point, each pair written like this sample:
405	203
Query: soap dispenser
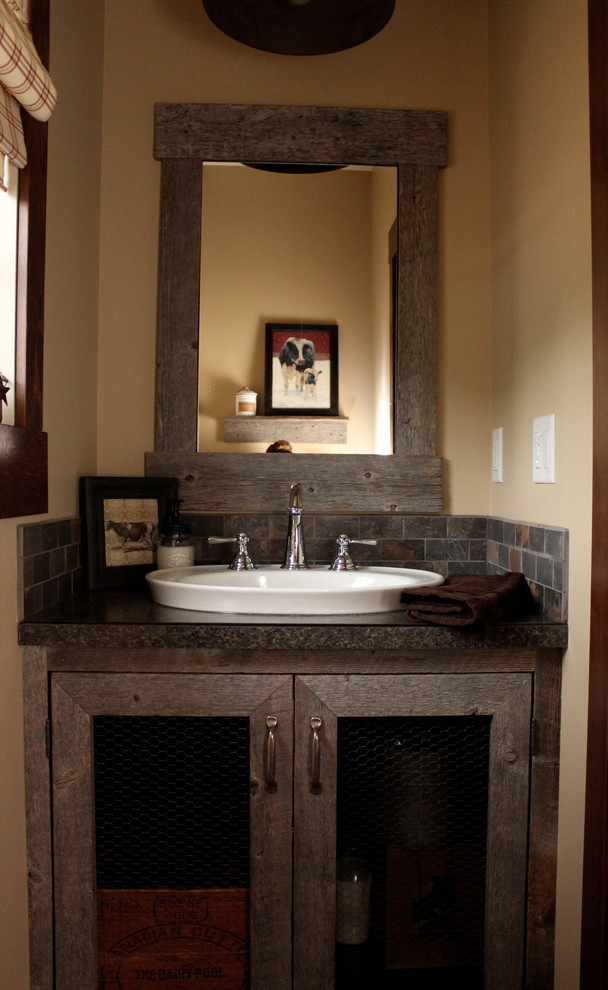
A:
176	547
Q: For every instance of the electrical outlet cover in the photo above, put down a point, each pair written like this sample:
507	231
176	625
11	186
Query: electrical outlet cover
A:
543	450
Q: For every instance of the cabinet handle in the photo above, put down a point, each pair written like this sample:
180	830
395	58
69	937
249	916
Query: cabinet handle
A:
270	758
315	754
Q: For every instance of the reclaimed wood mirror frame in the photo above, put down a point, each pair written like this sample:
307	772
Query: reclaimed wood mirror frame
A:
186	135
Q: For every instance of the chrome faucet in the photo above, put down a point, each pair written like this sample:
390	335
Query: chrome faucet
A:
295	555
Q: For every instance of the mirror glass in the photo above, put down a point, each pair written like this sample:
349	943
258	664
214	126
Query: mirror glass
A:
297	248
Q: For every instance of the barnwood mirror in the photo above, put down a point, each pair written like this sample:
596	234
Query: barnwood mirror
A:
186	135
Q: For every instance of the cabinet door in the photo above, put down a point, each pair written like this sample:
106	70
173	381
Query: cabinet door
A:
419	786
172	812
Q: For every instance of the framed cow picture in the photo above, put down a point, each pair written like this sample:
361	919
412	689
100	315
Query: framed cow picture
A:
301	369
122	520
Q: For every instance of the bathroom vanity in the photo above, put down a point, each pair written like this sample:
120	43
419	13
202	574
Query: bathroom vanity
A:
198	785
193	781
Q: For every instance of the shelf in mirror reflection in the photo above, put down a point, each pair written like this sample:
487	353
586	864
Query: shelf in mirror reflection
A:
296	429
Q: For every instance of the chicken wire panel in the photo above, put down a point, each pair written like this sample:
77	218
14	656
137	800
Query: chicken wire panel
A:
412	822
172	802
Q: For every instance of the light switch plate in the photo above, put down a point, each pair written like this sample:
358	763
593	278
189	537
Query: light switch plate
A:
497	454
543	450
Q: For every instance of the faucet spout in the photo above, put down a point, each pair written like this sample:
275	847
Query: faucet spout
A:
295	555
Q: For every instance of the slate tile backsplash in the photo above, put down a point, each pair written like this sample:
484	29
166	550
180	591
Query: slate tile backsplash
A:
48	563
446	544
50	558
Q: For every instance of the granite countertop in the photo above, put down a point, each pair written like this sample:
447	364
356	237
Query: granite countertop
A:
129	617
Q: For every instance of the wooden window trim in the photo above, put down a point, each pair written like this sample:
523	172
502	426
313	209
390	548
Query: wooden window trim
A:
594	941
24	447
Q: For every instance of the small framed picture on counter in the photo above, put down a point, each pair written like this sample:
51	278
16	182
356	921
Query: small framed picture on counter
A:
122	520
301	369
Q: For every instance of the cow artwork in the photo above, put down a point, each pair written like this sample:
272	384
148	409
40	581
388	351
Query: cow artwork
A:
311	378
131	531
122	519
133	536
295	357
301	369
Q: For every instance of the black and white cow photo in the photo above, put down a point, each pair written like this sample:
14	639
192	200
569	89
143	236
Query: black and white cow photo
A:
300	376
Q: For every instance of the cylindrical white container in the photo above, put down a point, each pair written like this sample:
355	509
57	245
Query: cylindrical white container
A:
175	550
353	889
246	401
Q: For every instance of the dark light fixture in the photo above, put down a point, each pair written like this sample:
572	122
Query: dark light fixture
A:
292	169
300	27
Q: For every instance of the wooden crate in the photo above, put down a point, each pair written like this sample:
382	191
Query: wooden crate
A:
434	907
173	939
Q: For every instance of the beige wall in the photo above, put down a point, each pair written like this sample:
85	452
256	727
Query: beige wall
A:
286	249
384	198
99	406
541	296
70	415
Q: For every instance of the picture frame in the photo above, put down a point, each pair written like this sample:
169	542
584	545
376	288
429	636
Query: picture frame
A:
301	369
122	519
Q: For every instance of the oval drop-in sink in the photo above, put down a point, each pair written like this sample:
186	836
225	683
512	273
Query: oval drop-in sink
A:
272	590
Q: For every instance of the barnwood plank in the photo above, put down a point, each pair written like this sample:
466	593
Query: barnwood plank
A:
544	798
507	856
74	844
165	694
314	903
38	816
289	661
271	811
296	429
415	345
262	133
330	483
178	305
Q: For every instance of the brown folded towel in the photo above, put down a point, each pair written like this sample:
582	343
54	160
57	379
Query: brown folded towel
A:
471	599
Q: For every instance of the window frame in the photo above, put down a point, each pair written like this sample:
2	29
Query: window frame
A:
24	446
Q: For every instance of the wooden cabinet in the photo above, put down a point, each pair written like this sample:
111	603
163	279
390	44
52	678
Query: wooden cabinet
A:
300	802
76	701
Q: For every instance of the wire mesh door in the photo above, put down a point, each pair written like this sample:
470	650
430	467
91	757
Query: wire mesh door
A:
172	851
411	846
411	831
172	816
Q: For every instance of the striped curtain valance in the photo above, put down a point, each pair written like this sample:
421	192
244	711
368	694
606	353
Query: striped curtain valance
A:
23	81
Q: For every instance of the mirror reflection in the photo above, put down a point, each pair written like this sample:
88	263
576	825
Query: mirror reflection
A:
295	248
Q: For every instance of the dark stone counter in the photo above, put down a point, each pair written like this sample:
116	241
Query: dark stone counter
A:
130	619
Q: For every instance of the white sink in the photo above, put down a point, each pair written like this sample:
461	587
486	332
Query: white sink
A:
272	590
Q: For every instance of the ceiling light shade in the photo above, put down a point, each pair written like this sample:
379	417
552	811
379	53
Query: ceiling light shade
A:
292	169
300	27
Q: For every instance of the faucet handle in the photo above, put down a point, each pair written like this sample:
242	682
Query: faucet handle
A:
241	560
343	560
